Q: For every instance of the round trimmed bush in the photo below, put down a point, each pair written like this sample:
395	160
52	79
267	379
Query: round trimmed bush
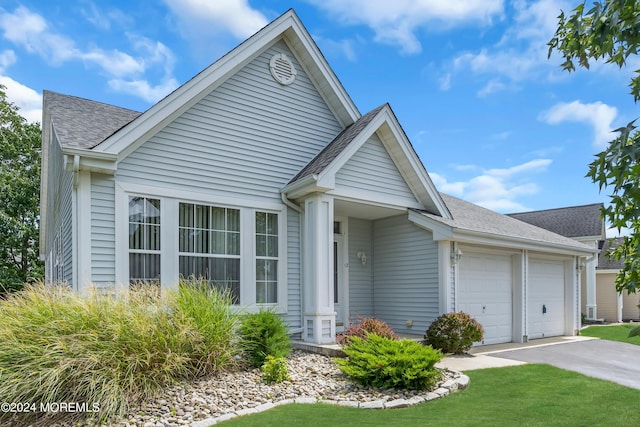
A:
454	333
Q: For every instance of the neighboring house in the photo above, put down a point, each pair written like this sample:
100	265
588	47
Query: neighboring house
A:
261	175
613	306
584	224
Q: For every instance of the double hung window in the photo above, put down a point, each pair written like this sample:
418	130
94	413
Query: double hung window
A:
144	240
209	246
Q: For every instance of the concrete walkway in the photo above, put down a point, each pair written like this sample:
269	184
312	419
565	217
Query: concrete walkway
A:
488	356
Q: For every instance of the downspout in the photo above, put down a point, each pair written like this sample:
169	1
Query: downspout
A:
290	204
299	210
75	215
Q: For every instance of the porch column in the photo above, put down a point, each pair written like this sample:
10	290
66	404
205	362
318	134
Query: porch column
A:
590	279
319	314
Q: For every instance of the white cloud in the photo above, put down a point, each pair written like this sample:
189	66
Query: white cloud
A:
521	53
142	88
204	18
498	188
7	58
396	22
125	71
598	115
28	100
445	82
491	87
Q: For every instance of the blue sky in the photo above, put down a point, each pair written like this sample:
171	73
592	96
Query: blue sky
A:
494	121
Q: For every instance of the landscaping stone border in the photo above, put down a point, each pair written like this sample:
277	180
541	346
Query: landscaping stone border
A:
460	382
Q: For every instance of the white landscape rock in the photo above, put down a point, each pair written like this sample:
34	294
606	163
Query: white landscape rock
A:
315	378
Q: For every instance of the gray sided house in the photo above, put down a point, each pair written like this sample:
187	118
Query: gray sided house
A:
261	175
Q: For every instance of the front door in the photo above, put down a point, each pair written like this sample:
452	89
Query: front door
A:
338	279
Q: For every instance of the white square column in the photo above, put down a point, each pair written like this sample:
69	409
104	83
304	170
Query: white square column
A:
319	314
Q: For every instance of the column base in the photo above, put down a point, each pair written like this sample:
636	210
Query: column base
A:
319	328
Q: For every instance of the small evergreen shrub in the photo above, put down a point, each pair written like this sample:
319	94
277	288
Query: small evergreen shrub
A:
364	326
454	333
263	334
388	363
275	370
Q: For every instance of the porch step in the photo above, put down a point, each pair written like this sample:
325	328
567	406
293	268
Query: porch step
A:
331	350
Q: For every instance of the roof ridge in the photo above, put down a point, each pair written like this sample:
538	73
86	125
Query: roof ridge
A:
45	91
556	209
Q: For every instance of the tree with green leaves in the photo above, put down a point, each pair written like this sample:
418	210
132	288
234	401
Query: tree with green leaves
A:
19	197
610	32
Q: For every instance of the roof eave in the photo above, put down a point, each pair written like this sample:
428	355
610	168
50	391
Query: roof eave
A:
93	161
442	231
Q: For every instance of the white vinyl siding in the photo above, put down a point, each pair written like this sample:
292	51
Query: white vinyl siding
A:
248	137
59	208
294	301
102	230
360	277
405	275
372	159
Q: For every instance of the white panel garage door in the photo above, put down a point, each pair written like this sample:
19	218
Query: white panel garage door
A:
484	291
545	306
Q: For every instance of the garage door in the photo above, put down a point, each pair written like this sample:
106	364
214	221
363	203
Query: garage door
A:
484	291
545	306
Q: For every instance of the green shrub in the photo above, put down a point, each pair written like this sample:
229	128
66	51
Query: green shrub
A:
454	333
58	346
275	370
263	334
388	363
364	326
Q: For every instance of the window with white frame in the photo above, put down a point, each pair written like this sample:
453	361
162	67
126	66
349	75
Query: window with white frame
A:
266	258
144	240
209	245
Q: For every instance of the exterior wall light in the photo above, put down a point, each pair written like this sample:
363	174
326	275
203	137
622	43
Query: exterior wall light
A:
363	257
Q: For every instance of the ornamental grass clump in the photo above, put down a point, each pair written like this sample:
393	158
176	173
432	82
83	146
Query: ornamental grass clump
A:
454	333
388	363
210	312
102	351
263	334
364	326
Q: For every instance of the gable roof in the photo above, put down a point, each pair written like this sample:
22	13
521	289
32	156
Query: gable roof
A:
287	27
337	146
82	123
475	224
572	221
320	173
606	263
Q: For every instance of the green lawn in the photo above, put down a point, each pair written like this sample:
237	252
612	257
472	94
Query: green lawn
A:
527	395
612	333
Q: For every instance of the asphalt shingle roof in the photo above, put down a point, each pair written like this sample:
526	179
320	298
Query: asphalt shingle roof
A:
335	147
470	217
82	123
606	263
573	221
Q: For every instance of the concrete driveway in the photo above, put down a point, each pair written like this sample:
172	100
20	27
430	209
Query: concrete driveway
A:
608	360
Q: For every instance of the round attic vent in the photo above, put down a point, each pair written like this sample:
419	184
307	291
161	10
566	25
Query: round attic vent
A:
282	69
